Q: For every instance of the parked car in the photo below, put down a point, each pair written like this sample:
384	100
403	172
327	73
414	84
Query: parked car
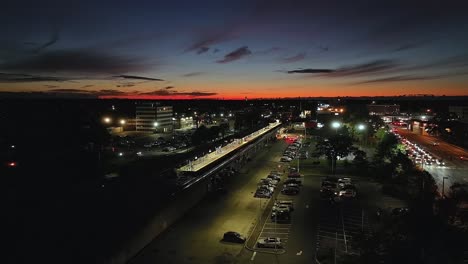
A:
327	193
293	180
344	181
269	182
280	207
291	185
347	193
294	175
266	187
274	177
281	216
288	203
285	159
233	237
263	194
290	191
269	242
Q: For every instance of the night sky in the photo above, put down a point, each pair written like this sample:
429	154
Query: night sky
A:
234	49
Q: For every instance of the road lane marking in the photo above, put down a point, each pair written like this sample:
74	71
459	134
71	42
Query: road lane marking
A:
253	255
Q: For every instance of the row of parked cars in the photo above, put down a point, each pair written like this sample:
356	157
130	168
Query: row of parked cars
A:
292	185
266	187
292	151
333	187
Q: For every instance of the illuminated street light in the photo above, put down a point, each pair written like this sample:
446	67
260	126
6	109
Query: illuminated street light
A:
336	125
361	127
107	120
155	124
122	121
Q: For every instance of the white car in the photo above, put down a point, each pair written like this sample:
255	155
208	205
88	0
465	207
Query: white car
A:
281	207
285	159
269	242
344	181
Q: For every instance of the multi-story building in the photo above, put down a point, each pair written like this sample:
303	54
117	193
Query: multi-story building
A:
145	116
150	117
164	119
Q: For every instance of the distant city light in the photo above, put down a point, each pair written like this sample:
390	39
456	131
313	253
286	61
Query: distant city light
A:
12	164
155	124
122	121
107	120
361	127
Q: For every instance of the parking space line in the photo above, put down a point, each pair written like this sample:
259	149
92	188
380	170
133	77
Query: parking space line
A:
253	255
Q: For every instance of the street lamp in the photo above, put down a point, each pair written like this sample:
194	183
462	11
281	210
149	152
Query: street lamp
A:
155	125
362	127
107	120
336	125
443	186
122	122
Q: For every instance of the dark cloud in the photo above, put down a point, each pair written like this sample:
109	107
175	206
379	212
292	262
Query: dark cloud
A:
235	55
206	39
104	92
310	71
169	87
399	78
373	67
123	85
53	39
50	86
294	58
20	77
133	77
62	90
202	50
163	92
191	74
87	62
87	86
216	50
409	77
409	46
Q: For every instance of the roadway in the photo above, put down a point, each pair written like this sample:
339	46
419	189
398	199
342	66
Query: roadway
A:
456	170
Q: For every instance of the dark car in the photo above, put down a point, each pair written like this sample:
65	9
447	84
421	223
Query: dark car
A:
233	237
327	193
290	191
294	175
400	211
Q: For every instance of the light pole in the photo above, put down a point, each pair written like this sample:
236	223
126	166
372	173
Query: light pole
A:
362	128
173	127
443	186
336	125
155	125
107	120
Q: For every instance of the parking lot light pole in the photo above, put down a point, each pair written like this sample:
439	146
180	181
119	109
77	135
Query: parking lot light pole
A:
443	187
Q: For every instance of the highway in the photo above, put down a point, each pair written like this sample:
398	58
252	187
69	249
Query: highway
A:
456	170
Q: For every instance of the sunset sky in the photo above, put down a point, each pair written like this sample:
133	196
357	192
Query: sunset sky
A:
234	49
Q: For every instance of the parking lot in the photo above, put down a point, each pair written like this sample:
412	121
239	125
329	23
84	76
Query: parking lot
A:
339	225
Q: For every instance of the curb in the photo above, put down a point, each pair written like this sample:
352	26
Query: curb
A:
279	252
